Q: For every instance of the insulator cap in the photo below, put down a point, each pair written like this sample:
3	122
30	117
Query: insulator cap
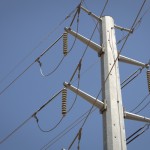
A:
65	43
64	101
148	79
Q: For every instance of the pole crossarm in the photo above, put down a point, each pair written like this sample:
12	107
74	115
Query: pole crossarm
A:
92	100
86	41
132	61
100	20
132	116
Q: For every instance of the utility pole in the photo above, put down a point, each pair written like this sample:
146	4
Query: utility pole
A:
111	105
113	117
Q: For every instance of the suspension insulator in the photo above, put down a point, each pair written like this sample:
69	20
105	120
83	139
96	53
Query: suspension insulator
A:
148	79
65	43
64	101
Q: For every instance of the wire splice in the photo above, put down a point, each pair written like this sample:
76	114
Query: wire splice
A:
148	79
65	43
64	101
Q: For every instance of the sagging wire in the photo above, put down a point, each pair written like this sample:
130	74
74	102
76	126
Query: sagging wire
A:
32	116
65	45
64	106
48	130
65	131
137	133
30	66
50	73
131	77
20	62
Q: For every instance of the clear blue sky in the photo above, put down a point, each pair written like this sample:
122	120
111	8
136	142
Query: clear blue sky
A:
25	32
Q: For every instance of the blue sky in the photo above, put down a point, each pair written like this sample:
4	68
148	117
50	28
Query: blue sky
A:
27	28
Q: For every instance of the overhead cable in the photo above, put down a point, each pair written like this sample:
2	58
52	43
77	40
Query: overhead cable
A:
145	97
79	138
48	130
137	133
20	62
131	77
65	131
33	115
64	47
144	105
36	60
50	73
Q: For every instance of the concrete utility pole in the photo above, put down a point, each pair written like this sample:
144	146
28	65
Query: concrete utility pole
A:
111	105
113	117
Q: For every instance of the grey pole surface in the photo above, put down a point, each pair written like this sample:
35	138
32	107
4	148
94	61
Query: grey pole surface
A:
113	118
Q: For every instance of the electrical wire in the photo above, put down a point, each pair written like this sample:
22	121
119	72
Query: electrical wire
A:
90	110
79	138
36	60
131	29
42	41
33	115
14	131
145	97
92	17
40	64
110	70
134	136
76	93
144	105
48	130
80	61
114	61
131	77
50	73
65	131
137	24
82	57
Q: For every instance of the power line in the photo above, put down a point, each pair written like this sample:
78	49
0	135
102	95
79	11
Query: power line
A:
65	131
108	74
114	60
145	97
131	77
77	13
48	130
50	73
33	115
43	40
90	110
144	105
30	66
140	131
